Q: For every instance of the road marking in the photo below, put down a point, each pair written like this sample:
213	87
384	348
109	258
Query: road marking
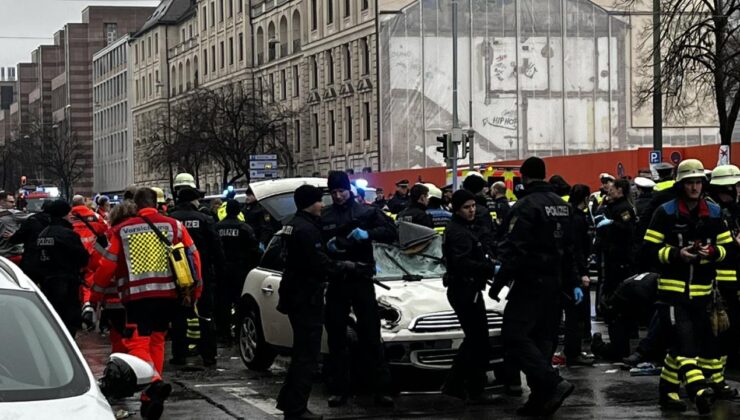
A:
255	399
214	385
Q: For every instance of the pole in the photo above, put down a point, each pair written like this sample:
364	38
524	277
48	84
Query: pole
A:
455	122
657	82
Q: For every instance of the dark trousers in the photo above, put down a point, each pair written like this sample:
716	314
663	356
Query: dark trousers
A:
307	329
530	324
574	320
468	370
63	294
207	341
655	343
359	295
228	293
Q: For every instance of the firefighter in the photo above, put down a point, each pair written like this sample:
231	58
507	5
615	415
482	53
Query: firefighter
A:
62	257
723	192
399	200
201	228
91	229
537	255
161	201
348	229
468	269
474	183
440	216
416	212
263	224
663	192
687	239
241	251
147	289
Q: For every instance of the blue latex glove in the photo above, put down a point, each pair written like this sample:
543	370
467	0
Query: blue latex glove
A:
262	247
332	246
496	269
359	235
604	222
578	295
598	219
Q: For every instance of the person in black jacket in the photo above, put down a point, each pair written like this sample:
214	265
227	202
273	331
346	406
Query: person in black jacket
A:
201	228
399	200
27	235
62	257
259	220
537	255
468	269
416	212
499	205
241	252
348	229
474	183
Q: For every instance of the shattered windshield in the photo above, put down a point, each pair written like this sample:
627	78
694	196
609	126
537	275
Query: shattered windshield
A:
394	264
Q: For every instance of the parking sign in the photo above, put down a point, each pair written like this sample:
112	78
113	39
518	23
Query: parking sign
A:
656	156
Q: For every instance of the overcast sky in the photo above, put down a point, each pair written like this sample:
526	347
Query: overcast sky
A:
26	24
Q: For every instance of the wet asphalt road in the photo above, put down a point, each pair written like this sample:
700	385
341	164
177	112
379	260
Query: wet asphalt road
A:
230	391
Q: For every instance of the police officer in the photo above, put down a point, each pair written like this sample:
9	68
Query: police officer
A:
468	269
241	250
537	255
440	216
307	267
642	204
416	212
500	203
663	192
201	228
687	239
62	258
399	200
348	229
259	219
474	183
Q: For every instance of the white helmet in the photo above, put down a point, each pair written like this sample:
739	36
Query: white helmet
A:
434	192
184	179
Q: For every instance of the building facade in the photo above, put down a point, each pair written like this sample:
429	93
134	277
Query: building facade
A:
113	157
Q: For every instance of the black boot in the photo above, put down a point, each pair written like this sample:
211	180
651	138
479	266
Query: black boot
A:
672	402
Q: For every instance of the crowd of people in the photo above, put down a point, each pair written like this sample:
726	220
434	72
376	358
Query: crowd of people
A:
665	253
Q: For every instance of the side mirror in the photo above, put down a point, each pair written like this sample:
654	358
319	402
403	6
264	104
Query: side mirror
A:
124	375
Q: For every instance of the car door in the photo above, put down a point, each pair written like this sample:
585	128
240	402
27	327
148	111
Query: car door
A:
275	325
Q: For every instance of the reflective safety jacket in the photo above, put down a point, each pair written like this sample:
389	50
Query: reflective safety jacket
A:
135	247
440	219
88	225
673	227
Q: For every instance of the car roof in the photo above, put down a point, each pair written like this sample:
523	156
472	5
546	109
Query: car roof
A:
266	189
12	278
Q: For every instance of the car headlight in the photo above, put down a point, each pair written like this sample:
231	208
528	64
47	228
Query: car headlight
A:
389	315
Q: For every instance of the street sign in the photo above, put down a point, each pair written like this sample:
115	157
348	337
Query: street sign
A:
656	156
263	164
263	174
724	155
676	158
262	157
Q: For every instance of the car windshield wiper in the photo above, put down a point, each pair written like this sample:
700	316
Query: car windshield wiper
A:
406	275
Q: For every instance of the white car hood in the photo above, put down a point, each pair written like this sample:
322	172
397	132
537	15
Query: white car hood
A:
90	406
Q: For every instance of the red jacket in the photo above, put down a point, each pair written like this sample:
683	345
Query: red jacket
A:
139	261
89	241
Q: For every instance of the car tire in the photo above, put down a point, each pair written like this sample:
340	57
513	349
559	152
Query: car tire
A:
256	354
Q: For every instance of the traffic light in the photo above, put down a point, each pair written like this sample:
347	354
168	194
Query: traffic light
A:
443	148
464	146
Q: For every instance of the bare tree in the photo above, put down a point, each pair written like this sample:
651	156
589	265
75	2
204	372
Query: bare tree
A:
700	59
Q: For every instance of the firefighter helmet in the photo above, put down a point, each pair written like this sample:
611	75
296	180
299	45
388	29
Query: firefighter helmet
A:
690	168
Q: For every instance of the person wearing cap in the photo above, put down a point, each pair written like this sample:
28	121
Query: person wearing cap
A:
201	228
241	251
468	270
349	229
663	190
440	216
723	192
62	257
301	297
259	219
400	199
688	240
644	188
537	258
484	226
416	212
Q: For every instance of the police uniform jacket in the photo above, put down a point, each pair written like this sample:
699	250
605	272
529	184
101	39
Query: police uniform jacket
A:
241	248
484	225
465	255
261	222
398	202
416	213
617	239
339	220
673	227
440	218
61	258
537	249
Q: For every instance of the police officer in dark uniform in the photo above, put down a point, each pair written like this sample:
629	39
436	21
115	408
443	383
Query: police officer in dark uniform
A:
663	192
27	235
61	258
399	200
537	255
259	220
241	251
348	229
201	228
416	212
642	204
440	216
307	268
474	183
499	203
468	269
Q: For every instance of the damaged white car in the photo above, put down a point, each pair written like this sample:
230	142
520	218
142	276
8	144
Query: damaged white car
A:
418	326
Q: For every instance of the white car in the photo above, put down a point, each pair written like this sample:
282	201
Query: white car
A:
42	372
418	328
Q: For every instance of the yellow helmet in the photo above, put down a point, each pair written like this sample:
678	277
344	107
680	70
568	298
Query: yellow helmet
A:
690	168
184	180
160	195
725	175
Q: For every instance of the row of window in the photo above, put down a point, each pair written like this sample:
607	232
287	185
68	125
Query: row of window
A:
346	64
221	58
111	61
111	176
224	6
266	85
331	127
143	48
346	9
111	145
112	89
111	118
145	87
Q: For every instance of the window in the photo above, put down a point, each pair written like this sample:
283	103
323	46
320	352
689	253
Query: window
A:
365	57
156	79
204	23
221	11
283	85
136	54
190	31
156	44
366	118
296	82
314	73
329	68
137	90
315	124
314	17
329	12
365	4
205	62
347	63
213	14
151	87
221	45
272	88
231	51
347	4
182	35
332	130
259	89
149	47
213	58
231	8
241	45
348	123
240	8
297	135
111	33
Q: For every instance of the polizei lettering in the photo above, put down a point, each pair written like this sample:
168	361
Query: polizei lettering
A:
557	211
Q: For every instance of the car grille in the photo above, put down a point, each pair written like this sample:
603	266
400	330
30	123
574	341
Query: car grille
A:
445	321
